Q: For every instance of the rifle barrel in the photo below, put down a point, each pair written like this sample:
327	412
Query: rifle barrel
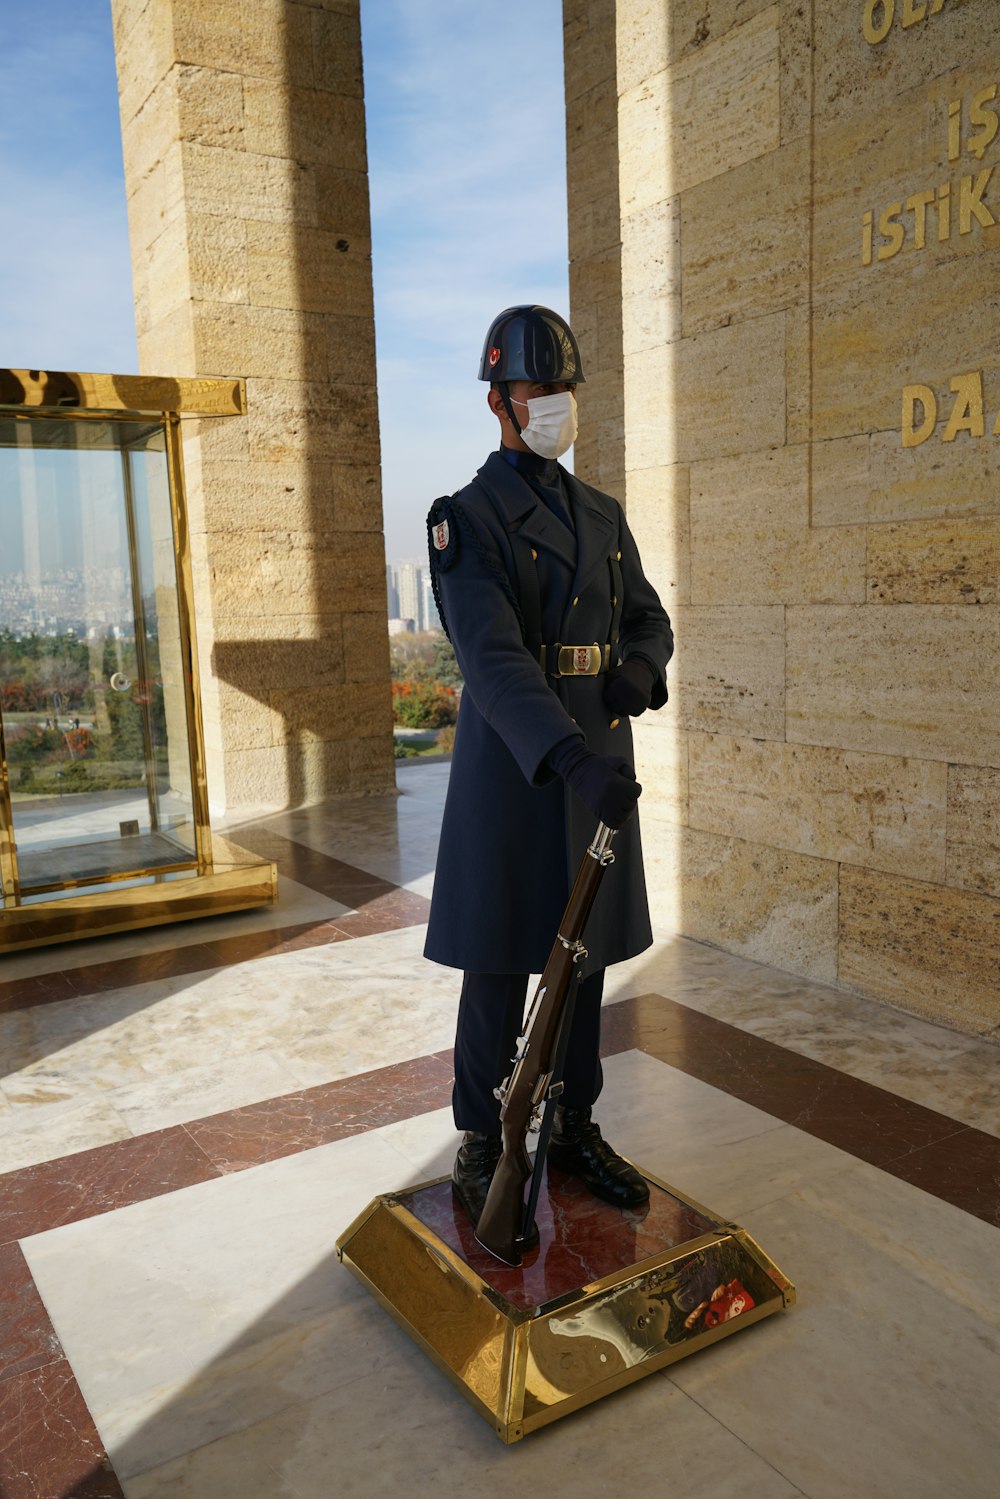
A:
503	1212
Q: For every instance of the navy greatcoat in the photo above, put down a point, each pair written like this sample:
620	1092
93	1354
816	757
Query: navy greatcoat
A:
513	834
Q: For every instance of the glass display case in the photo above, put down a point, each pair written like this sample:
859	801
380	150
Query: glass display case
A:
103	800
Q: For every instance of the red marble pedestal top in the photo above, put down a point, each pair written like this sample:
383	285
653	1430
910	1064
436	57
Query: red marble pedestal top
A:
581	1239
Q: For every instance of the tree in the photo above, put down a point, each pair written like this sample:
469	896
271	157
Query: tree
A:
424	705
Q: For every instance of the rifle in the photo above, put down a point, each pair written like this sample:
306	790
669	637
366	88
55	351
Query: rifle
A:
536	1076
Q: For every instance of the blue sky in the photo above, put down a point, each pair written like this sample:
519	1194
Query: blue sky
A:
466	144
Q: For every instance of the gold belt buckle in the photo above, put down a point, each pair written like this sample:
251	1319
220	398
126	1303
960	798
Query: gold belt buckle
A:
580	660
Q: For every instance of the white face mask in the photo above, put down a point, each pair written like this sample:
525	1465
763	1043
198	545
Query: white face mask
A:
551	427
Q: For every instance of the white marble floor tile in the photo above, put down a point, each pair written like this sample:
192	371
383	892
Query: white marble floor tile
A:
213	1333
212	1088
177	1049
403	1430
395	838
203	1311
691	1136
883	1380
29	1136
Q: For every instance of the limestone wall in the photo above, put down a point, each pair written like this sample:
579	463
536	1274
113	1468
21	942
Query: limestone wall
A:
595	273
810	267
245	167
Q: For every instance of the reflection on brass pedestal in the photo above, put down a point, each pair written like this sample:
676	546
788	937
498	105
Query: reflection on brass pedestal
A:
531	1344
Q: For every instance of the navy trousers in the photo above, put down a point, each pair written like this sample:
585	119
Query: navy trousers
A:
490	1016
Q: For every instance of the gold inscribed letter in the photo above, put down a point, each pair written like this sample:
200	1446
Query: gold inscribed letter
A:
918	206
971	202
892	230
981	114
967	412
954	129
877	31
914	11
944	211
924	397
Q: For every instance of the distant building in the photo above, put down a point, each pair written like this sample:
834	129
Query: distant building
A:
432	620
409	582
410	596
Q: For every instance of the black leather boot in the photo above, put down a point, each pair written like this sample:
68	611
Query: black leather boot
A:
472	1173
578	1148
473	1170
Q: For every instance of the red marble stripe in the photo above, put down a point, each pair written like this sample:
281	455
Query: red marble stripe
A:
964	1169
332	877
27	1337
958	1164
49	1445
397	908
95	1181
284	1126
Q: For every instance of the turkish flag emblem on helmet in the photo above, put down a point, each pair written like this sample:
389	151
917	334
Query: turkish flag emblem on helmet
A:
494	356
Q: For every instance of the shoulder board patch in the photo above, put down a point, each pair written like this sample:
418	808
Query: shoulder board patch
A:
442	535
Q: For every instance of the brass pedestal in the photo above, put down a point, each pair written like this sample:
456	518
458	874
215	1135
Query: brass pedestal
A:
529	1345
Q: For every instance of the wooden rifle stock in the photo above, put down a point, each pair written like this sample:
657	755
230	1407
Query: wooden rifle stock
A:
524	1092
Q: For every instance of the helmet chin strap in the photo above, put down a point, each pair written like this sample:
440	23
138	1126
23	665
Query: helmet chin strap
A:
508	406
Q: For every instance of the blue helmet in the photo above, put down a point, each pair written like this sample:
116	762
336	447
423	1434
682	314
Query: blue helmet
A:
531	343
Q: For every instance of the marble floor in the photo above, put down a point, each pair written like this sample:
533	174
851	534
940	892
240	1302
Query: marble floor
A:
189	1118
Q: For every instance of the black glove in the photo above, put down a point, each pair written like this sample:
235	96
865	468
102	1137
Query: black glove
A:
606	784
629	687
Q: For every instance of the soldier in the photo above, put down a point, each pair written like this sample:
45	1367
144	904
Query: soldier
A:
561	640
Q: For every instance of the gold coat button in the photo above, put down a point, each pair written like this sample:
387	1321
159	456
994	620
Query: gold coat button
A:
619	556
615	722
534	555
576	601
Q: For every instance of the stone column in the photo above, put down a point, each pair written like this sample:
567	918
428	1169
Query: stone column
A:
595	271
244	143
809	205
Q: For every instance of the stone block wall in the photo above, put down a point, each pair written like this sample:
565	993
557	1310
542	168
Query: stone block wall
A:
595	272
244	146
809	210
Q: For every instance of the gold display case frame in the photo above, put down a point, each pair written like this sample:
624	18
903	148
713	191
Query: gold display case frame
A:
220	878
